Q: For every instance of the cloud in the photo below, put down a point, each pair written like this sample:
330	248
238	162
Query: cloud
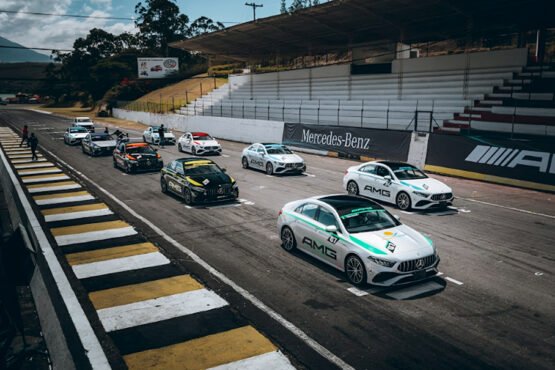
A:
56	32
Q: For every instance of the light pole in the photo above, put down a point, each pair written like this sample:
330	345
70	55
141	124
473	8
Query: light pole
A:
254	6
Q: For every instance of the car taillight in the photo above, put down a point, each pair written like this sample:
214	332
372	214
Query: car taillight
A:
131	157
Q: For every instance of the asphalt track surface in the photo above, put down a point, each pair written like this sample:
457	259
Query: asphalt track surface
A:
492	307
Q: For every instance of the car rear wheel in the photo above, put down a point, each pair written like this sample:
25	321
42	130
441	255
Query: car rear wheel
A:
194	151
163	185
269	169
288	241
245	162
354	270
187	196
403	201
144	139
179	148
352	188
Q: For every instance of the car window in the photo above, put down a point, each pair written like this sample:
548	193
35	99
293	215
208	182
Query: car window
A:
327	218
382	171
179	168
171	166
309	210
371	169
260	150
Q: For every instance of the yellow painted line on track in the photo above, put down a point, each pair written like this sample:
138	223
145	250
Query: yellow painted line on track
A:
80	229
60	183
85	207
205	352
110	253
489	178
141	292
61	195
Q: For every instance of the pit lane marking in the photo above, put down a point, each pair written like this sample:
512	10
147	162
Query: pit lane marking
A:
453	280
509	208
357	292
225	155
309	174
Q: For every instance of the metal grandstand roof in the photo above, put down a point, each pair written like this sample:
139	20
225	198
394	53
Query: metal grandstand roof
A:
339	24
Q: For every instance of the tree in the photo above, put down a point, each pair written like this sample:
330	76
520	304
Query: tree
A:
203	25
159	23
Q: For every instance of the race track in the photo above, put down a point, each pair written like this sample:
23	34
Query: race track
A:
492	307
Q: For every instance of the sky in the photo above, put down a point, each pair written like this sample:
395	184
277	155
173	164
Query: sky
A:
59	32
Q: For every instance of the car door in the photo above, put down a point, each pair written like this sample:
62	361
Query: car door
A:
188	142
86	143
366	176
382	188
260	156
331	248
119	155
66	136
304	227
148	134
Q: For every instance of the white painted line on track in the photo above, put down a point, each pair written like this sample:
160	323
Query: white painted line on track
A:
407	213
357	292
323	351
225	155
506	207
309	174
34	165
93	236
18	161
453	280
439	273
106	267
54	188
79	198
45	179
158	309
75	215
271	360
39	171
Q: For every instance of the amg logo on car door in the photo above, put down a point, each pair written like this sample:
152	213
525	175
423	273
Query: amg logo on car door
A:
327	251
382	192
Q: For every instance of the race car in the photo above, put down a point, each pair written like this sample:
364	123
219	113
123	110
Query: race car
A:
198	143
135	157
198	180
399	183
151	136
98	144
272	158
359	237
85	122
156	68
74	135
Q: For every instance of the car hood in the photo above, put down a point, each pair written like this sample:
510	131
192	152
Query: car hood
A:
206	142
84	124
428	185
105	144
286	158
210	180
78	135
144	156
407	243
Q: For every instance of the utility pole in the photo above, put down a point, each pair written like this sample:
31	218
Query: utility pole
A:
254	6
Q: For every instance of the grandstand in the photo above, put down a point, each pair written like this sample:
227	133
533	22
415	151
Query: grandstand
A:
497	90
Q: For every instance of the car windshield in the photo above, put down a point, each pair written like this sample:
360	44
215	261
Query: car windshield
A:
102	137
278	149
202	138
83	120
361	220
201	169
156	128
140	150
76	130
407	172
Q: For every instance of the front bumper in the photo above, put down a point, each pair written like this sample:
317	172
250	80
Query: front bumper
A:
208	149
290	168
392	276
432	202
147	165
103	150
213	195
167	141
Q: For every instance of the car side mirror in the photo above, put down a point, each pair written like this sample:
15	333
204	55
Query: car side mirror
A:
331	229
224	169
387	177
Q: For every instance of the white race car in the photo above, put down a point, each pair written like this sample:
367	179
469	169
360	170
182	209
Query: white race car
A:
73	135
399	183
85	122
272	158
198	143
151	136
359	237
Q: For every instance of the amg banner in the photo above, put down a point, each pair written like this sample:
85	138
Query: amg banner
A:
531	159
392	145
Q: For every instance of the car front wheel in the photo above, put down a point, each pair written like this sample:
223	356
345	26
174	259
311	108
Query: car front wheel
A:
355	270
352	188
187	196
163	185
269	169
403	201
288	241
179	148
194	151
144	139
245	162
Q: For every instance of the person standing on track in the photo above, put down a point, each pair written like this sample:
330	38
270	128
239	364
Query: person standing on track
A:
24	135
161	136
33	143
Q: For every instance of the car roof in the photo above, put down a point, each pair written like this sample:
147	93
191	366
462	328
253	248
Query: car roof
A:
131	145
82	117
199	134
193	159
394	163
271	144
342	203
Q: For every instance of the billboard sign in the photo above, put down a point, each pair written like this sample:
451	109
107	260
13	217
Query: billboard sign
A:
157	67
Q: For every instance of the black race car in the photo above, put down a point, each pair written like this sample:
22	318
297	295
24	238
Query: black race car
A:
135	157
198	180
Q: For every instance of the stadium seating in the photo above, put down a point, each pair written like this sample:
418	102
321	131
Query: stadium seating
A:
446	100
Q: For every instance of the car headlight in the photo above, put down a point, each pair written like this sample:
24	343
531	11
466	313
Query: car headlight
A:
281	164
381	262
420	194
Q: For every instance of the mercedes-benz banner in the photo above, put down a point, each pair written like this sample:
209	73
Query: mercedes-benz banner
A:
157	67
383	144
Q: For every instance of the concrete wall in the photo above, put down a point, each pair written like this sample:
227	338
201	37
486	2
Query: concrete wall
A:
235	129
342	70
489	59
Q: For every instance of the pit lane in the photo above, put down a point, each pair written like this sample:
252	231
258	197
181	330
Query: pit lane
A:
501	316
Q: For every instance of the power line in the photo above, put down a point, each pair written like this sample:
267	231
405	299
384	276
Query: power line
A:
67	15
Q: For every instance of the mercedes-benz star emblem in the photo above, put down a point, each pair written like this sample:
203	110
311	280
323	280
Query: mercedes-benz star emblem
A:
419	263
220	190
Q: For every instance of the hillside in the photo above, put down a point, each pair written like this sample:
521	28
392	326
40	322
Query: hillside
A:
9	55
24	77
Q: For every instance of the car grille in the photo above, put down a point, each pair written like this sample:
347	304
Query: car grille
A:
294	165
148	163
443	196
417	264
219	191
